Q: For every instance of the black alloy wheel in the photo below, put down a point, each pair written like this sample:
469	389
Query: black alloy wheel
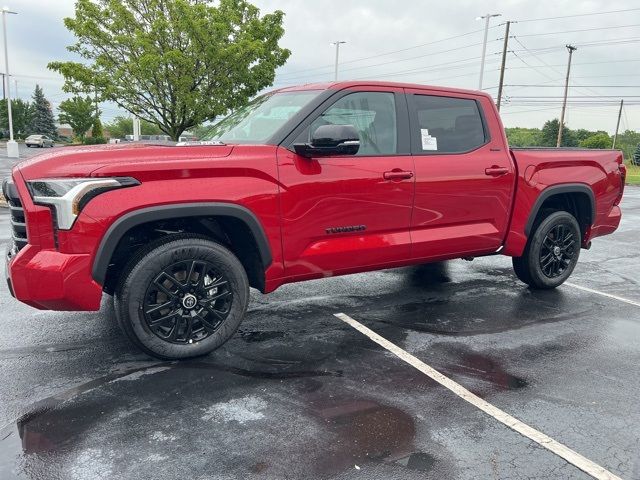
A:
182	296
187	302
557	250
551	252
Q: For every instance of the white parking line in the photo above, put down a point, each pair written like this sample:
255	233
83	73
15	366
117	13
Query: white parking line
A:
604	294
584	464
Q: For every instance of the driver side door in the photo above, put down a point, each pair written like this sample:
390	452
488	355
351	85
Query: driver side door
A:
348	213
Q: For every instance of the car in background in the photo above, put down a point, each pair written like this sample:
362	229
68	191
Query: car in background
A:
38	141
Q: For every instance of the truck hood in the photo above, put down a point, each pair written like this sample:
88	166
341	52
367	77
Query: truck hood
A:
86	161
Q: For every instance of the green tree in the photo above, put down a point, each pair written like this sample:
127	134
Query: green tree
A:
80	113
636	156
96	129
597	140
41	119
174	63
21	115
550	135
524	137
627	141
121	126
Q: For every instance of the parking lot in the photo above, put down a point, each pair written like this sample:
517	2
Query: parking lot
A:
299	393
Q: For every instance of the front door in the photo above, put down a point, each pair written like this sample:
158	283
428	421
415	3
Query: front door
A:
348	213
464	177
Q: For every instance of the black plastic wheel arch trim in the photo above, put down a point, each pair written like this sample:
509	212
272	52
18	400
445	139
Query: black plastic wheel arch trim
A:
123	224
556	190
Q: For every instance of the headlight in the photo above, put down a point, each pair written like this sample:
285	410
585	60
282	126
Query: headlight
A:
68	196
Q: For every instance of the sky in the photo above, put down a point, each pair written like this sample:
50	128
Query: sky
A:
417	41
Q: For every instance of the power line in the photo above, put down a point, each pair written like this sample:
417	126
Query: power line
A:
580	30
578	15
390	62
585	63
545	63
613	41
389	52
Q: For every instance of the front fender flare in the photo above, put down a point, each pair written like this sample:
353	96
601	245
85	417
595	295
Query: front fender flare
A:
132	219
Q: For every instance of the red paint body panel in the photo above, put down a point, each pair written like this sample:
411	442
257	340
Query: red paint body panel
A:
449	208
458	209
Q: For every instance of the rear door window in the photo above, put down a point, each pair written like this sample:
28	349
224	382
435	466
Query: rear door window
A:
445	125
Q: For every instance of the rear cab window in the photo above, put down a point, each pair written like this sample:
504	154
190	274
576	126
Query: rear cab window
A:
445	125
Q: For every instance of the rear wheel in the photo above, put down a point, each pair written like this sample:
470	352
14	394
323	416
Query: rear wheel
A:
551	253
182	297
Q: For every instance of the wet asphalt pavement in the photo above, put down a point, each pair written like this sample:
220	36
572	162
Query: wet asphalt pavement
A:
299	394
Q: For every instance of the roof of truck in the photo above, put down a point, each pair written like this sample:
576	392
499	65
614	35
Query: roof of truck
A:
374	83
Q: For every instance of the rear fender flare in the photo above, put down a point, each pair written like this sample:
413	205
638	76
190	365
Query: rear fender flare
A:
560	189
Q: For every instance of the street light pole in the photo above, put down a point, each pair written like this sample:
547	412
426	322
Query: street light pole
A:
12	145
486	17
335	71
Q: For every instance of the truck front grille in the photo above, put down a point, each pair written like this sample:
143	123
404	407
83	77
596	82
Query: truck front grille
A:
18	218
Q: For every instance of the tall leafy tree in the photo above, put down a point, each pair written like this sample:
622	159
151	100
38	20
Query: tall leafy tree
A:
42	121
174	63
21	111
80	113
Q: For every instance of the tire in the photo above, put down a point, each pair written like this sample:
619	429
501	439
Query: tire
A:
181	297
552	251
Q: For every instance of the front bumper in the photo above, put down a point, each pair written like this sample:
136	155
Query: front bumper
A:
50	280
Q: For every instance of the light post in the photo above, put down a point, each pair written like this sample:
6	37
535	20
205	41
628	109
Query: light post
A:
486	18
12	145
335	71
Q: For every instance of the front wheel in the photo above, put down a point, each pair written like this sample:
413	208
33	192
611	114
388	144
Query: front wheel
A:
551	253
183	297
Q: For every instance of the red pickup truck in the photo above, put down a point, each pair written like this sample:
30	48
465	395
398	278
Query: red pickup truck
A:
301	183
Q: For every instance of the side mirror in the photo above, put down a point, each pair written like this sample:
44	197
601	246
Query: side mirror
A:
331	140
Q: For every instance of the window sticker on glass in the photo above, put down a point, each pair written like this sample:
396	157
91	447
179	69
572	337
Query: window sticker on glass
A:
428	142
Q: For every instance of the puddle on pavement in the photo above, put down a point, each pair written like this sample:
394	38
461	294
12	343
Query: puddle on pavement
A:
354	430
477	366
366	431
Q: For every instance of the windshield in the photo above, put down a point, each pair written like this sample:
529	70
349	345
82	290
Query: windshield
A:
261	118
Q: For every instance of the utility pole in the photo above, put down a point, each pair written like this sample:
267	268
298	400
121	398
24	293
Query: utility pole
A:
504	61
486	17
12	146
337	44
571	49
615	137
4	92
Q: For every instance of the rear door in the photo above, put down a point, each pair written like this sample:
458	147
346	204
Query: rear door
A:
350	212
464	176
